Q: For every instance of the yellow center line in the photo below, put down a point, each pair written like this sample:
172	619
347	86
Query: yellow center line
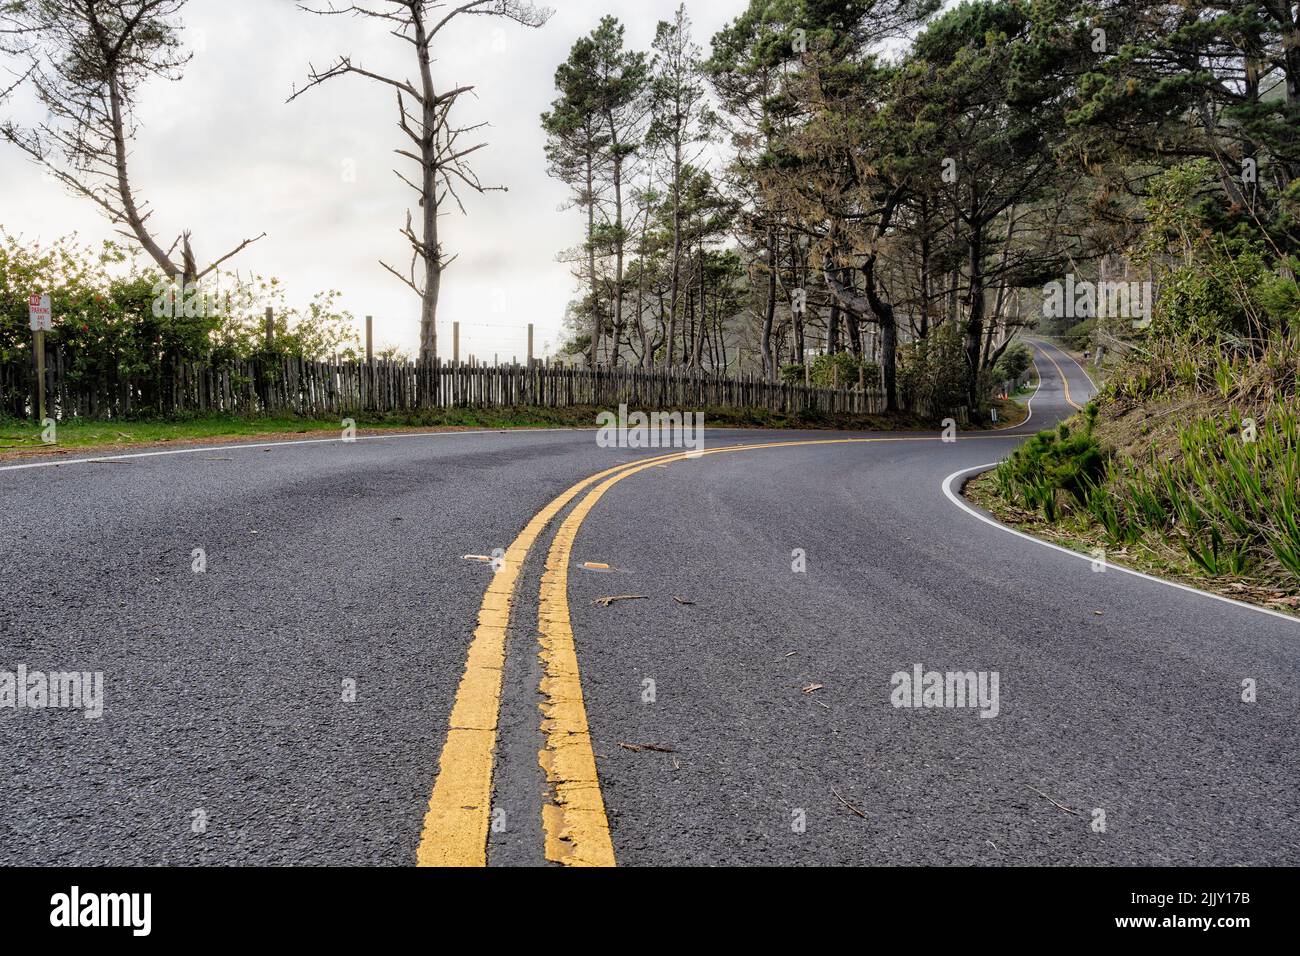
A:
1065	382
575	826
456	823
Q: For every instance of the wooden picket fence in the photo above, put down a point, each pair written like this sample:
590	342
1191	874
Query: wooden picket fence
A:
285	385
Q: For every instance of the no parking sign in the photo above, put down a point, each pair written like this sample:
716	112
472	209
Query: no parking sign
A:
41	312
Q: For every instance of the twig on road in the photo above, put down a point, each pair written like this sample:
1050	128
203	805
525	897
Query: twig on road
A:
847	804
1059	806
657	748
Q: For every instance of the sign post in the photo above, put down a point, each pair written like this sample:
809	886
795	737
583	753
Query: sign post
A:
42	319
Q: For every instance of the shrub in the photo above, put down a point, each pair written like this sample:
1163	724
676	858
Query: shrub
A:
113	323
1013	363
1079	335
932	371
826	367
1053	463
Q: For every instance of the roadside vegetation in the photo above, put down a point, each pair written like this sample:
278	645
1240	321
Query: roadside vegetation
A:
1188	461
1187	464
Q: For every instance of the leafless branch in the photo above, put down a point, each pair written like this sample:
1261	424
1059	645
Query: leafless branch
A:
427	123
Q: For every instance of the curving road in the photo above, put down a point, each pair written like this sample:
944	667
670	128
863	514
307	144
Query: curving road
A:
226	738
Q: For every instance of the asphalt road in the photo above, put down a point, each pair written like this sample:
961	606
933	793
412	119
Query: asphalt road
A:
226	738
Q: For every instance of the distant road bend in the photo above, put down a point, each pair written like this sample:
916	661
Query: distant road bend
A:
339	685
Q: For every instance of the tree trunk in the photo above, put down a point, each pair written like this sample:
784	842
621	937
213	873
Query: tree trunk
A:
647	359
700	332
975	318
133	217
769	314
432	262
429	251
591	265
619	253
675	286
833	328
924	330
852	324
884	313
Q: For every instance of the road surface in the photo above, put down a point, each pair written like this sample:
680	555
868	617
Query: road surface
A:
742	711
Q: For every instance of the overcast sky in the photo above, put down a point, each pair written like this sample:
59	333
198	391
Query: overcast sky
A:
222	154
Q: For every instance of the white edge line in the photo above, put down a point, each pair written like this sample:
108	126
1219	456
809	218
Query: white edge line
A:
237	446
1029	404
957	500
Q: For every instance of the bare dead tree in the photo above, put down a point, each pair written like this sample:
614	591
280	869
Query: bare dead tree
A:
424	110
87	61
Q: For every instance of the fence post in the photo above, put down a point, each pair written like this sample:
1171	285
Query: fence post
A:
530	345
455	342
270	329
370	339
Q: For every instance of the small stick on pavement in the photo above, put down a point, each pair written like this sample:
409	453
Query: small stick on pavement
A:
1059	806
847	804
637	748
682	600
607	601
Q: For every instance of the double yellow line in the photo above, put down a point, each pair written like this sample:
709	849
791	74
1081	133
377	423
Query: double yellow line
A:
456	824
575	825
1065	382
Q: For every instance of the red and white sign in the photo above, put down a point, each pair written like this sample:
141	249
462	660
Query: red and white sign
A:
42	314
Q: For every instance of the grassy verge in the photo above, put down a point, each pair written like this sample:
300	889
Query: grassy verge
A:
1156	557
23	439
1187	467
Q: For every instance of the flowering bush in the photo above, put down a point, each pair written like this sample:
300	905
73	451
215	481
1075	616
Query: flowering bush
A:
116	322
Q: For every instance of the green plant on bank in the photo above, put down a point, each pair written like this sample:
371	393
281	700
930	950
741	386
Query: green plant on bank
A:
1242	372
1054	465
1230	499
